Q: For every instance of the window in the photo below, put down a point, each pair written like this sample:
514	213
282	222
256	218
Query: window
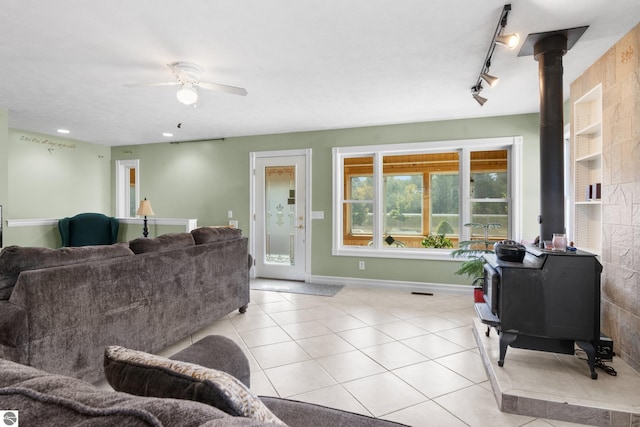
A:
444	203
387	198
403	204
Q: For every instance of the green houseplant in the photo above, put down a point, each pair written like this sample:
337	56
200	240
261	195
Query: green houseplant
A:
436	241
472	251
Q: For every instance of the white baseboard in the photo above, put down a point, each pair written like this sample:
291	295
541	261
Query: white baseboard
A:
393	284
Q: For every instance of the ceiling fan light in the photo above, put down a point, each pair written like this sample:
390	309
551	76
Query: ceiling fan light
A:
187	95
491	80
508	40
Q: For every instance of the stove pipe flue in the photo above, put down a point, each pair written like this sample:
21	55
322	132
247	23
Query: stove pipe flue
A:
548	48
548	52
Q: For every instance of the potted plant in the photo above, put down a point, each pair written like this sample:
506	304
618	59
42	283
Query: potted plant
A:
438	241
473	250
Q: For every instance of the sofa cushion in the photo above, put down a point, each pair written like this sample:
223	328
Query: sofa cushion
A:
144	374
16	259
164	242
42	398
215	234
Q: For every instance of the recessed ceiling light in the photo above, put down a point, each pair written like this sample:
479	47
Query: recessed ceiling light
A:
65	131
167	134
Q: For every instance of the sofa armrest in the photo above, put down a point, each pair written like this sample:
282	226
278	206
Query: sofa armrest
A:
13	324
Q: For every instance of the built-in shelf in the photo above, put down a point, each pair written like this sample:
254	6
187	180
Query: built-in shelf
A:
590	129
589	157
587	169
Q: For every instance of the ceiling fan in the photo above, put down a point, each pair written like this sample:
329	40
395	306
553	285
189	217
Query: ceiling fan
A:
187	76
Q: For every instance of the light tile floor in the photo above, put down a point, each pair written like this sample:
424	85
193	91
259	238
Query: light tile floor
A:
386	353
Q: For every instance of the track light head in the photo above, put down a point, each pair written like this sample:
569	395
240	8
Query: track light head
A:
491	80
480	99
508	40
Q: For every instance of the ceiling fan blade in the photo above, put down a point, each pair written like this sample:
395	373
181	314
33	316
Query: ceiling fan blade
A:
152	84
223	88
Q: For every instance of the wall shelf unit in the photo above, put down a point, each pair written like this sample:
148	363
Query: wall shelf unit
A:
587	169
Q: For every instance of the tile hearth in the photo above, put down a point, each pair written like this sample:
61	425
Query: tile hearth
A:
559	386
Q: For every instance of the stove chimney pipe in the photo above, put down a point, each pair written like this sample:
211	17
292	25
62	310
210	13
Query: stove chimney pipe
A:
548	48
549	52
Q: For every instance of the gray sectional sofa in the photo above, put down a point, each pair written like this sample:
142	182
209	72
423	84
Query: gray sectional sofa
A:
60	308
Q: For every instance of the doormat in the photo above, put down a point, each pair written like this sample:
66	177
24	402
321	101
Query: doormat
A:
295	287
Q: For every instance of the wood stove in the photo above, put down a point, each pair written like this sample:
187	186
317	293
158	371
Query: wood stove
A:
549	302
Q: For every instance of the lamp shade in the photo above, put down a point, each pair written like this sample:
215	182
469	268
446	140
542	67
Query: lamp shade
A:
145	208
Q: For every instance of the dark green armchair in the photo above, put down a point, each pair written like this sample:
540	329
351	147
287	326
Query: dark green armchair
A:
87	229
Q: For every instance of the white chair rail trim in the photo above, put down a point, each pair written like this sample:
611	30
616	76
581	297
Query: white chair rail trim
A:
188	223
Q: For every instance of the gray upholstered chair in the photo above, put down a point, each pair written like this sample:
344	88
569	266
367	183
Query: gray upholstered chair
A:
87	229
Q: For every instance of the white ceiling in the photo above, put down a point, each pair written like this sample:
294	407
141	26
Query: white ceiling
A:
306	64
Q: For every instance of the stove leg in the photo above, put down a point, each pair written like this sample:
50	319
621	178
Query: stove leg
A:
591	356
506	338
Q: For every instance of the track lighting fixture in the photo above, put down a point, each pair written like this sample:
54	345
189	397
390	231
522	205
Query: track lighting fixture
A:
509	40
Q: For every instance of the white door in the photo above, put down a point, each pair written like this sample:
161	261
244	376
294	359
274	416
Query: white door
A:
280	217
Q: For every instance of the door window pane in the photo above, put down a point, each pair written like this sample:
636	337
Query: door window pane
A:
280	212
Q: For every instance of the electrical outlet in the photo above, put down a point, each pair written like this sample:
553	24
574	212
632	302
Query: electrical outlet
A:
361	265
230	214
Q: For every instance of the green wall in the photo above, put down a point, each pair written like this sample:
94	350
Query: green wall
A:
53	177
206	179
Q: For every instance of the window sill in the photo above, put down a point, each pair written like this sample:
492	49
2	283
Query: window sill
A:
397	253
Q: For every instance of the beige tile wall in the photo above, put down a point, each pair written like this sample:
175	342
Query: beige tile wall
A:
619	72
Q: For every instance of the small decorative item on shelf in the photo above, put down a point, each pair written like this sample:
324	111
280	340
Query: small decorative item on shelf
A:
594	191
